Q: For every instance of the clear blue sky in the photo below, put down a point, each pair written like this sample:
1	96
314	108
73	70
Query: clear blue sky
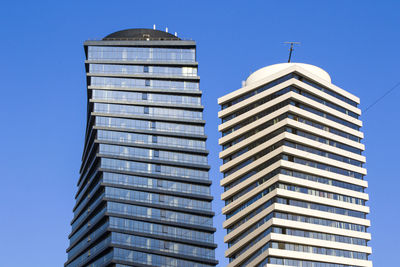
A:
43	92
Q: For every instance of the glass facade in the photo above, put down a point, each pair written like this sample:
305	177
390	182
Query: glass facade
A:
144	192
113	53
293	173
144	69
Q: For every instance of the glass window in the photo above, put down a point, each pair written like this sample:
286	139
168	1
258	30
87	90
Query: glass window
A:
140	54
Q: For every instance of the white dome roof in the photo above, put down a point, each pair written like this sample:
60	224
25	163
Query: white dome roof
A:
269	70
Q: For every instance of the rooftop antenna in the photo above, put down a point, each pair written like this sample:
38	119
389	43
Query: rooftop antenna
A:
154	26
291	48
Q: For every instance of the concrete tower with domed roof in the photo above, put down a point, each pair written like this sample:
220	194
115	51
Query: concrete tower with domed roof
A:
293	171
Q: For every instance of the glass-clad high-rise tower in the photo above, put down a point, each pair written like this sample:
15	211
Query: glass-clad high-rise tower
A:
143	193
293	171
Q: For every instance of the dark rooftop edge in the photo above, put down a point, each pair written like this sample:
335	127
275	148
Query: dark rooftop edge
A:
140	34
